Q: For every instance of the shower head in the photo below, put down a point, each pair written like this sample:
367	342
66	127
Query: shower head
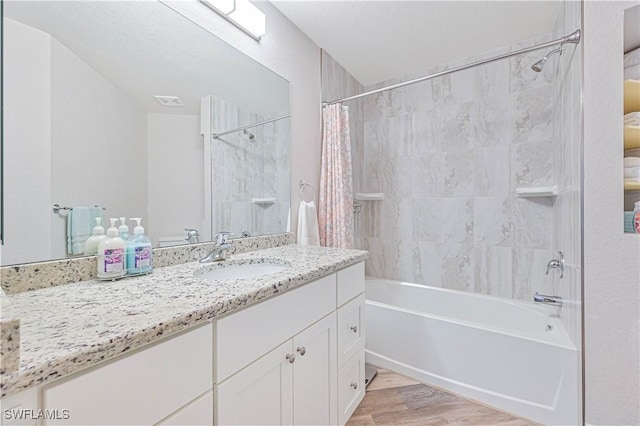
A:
251	135
539	66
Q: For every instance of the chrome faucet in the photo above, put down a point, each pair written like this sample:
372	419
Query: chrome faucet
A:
220	250
547	300
192	235
556	264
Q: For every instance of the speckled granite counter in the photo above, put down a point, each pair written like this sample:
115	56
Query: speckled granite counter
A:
70	327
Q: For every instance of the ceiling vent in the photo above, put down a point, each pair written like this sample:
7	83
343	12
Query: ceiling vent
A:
169	101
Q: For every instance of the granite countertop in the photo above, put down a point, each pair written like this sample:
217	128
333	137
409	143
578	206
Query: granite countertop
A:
70	327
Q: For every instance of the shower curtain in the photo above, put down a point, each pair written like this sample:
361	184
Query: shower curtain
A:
336	180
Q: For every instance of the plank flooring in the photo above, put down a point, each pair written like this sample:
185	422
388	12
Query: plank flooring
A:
393	399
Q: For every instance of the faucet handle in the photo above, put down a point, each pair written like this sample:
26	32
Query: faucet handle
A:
556	264
221	237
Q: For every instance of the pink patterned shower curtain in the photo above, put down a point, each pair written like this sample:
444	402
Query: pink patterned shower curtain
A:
335	216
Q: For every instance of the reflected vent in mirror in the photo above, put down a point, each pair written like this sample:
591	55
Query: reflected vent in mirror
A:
169	101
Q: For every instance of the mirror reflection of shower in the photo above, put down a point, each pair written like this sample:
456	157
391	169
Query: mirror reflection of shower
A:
539	66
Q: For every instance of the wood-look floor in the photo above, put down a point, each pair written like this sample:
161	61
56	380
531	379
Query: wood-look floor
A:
393	399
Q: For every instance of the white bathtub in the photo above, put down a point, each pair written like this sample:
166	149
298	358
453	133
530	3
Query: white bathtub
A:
511	355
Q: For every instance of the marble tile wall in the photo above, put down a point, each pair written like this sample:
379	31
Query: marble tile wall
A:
567	151
249	168
448	154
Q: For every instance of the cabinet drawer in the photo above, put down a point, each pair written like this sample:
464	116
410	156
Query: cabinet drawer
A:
13	408
350	387
350	283
141	388
198	412
245	336
350	329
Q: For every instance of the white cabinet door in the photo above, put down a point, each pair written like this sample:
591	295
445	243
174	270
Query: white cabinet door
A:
350	330
260	394
314	374
140	388
197	412
350	387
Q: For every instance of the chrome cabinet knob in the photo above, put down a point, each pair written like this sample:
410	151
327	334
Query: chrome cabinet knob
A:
302	350
354	385
291	358
354	328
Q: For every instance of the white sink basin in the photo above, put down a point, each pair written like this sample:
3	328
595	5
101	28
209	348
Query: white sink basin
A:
240	269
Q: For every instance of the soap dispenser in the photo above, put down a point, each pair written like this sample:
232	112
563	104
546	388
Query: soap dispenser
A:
139	253
111	254
123	229
92	243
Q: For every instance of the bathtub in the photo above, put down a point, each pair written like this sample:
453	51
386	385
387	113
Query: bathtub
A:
511	355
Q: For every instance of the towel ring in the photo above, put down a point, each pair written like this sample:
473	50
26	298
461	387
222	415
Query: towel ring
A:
304	185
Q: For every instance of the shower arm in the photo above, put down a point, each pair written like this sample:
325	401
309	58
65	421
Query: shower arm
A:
573	38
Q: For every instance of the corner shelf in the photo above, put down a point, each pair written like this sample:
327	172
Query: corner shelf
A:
539	191
264	200
631	96
369	196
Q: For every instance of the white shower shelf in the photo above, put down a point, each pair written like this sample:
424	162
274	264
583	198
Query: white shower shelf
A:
537	191
369	196
264	200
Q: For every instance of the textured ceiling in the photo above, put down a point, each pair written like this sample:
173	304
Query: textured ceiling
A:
380	40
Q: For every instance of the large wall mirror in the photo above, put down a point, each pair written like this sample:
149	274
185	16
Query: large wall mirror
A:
114	104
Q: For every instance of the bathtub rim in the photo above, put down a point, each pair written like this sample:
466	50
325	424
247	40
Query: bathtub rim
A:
553	320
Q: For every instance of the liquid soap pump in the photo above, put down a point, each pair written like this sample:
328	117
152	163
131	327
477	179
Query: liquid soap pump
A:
92	243
111	254
139	254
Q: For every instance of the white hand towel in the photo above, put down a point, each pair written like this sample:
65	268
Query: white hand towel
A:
632	180
632	172
308	231
632	119
80	223
632	161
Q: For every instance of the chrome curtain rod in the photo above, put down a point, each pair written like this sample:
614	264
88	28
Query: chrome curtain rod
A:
239	129
574	38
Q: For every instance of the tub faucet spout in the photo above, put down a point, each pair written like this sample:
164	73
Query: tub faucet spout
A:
547	300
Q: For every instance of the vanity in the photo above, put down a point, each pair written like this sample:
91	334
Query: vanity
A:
174	348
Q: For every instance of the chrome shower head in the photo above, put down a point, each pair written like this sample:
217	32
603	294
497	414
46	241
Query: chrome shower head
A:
251	135
539	66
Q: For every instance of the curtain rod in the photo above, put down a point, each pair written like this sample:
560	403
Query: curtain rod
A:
239	129
574	38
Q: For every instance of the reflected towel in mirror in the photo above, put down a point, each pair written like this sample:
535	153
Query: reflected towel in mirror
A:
80	223
308	233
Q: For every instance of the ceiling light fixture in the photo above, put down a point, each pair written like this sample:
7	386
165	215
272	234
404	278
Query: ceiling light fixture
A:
241	13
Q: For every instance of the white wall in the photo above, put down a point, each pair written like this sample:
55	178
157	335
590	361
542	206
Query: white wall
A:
289	52
175	173
27	120
611	258
96	113
52	132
